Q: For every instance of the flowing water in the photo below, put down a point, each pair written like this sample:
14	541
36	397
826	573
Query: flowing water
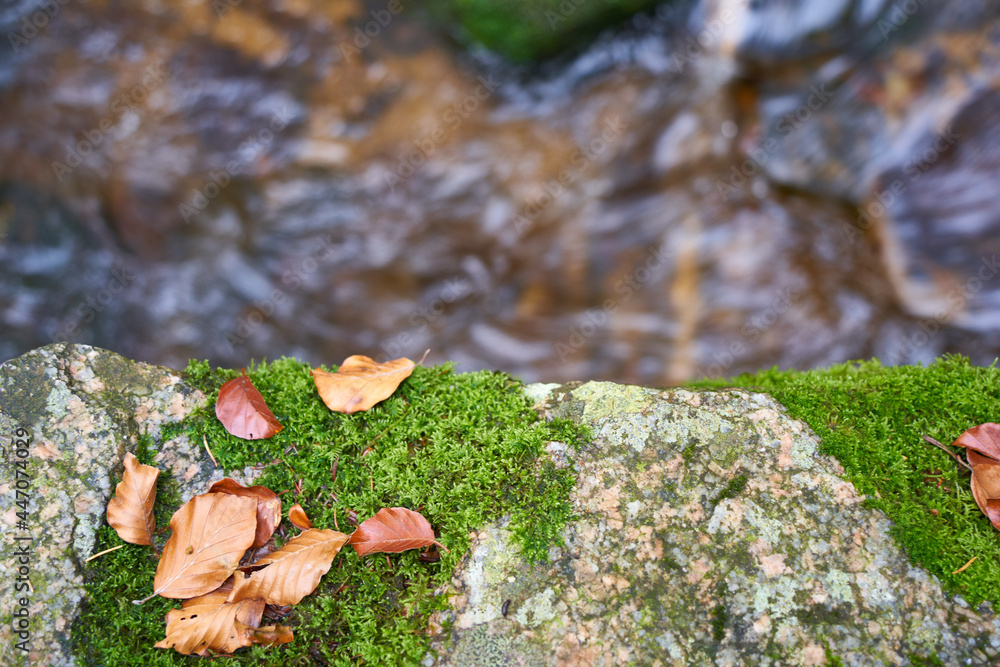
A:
258	179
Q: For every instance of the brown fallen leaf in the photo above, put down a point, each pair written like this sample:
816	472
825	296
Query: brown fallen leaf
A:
210	534
293	571
243	412
984	439
392	530
360	382
268	506
130	512
985	484
298	517
209	624
271	635
982	451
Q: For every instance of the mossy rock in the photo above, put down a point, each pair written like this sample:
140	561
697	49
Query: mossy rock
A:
628	514
531	30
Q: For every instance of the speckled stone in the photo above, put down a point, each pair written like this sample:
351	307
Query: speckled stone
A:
84	408
673	561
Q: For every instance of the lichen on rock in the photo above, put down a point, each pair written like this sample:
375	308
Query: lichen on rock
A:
84	408
709	531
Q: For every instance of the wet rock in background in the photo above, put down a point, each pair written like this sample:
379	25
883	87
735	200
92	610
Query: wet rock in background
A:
901	124
711	531
271	172
534	29
78	409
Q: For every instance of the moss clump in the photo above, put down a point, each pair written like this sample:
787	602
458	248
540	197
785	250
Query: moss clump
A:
463	449
733	488
720	617
529	30
870	417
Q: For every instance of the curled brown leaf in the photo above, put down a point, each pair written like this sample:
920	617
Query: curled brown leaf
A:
130	512
298	517
392	530
361	382
268	506
293	571
984	439
243	412
209	624
210	534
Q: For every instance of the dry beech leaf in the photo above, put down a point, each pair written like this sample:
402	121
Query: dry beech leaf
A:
984	439
268	506
243	412
210	534
298	517
293	571
208	624
986	484
392	530
360	382
270	635
130	512
982	450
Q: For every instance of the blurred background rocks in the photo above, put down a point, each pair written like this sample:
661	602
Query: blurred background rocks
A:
701	188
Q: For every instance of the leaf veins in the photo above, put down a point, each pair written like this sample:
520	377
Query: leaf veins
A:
130	512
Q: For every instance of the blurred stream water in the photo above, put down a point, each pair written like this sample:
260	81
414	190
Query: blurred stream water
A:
710	189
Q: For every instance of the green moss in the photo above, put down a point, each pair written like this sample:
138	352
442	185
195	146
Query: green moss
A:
831	659
528	30
733	488
926	661
720	617
463	449
871	418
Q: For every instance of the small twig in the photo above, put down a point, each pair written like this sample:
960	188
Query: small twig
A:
962	569
946	451
210	455
333	472
335	526
106	551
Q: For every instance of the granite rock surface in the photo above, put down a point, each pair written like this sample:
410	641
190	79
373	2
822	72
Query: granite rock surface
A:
75	410
710	532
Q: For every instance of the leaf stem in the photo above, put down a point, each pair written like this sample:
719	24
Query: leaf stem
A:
946	451
101	553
